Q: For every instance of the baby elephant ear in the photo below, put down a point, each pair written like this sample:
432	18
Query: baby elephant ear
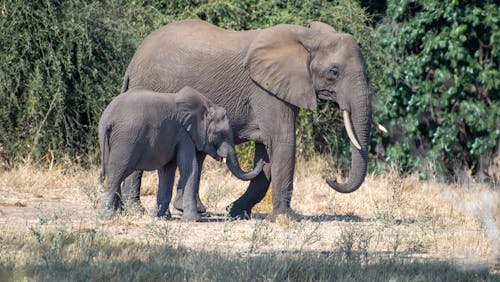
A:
279	63
192	111
209	126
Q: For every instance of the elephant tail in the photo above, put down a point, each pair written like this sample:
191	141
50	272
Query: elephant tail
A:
105	152
126	80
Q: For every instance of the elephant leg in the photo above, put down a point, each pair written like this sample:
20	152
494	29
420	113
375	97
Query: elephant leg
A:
117	201
131	191
111	195
200	158
188	167
257	189
166	176
179	194
282	171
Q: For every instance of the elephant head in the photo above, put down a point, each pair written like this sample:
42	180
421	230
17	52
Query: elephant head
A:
298	64
209	129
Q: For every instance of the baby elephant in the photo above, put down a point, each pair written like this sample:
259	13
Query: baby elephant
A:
145	130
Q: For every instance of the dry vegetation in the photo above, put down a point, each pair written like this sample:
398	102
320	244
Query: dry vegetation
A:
394	227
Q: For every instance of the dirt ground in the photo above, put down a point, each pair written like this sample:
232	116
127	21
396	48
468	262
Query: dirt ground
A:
390	216
71	208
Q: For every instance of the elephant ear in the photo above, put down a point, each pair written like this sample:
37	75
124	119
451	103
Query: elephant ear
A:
210	126
192	112
279	63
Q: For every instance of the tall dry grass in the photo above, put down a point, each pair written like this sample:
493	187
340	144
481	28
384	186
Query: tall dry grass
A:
394	227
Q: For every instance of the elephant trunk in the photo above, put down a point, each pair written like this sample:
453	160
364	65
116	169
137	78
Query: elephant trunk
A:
227	151
357	124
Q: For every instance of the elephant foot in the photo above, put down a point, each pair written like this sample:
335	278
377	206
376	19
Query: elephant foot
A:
107	214
166	215
199	206
178	204
288	214
190	216
109	209
163	212
236	213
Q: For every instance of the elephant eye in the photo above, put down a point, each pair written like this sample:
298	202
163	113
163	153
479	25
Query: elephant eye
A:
332	73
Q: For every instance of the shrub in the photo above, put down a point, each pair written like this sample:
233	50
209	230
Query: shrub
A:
61	62
440	96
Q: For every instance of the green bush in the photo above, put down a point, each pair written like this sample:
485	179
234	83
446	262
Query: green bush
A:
63	61
440	95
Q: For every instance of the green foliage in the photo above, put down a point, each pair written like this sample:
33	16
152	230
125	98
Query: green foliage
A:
63	61
440	96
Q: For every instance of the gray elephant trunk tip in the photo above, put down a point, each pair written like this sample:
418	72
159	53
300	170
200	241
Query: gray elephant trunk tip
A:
258	168
345	188
358	170
234	167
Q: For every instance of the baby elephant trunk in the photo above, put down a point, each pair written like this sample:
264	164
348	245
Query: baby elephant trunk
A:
228	151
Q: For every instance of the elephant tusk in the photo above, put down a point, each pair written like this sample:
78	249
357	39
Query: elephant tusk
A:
224	160
350	132
380	127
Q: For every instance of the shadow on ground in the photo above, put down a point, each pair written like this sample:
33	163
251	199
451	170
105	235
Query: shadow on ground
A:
100	258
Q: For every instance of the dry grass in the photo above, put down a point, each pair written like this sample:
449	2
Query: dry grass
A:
400	224
494	169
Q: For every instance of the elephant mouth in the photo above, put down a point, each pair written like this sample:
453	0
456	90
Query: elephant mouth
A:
327	94
213	153
216	157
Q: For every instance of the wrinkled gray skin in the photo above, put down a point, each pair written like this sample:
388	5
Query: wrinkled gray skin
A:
145	130
262	78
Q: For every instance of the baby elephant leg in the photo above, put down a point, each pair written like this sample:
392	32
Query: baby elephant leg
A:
111	198
131	197
188	167
166	177
200	157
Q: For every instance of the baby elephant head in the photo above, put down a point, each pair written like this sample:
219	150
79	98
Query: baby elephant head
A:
210	130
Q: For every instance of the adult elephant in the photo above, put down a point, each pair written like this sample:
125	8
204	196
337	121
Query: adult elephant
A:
262	77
